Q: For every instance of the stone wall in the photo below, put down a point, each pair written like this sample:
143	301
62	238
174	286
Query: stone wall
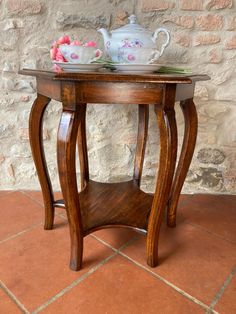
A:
203	38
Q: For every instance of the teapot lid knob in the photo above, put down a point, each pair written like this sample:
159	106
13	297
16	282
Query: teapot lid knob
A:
132	19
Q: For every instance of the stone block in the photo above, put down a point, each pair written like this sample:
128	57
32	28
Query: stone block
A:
156	5
24	98
86	21
2	159
211	156
201	92
215	55
23	7
182	40
120	19
208	178
218	4
225	91
185	21
209	22
231	23
193	5
206	39
231	43
11	24
9	39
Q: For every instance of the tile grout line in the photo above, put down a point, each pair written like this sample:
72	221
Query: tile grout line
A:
133	239
41	204
84	276
74	284
31	198
15	235
179	290
222	289
14	298
210	232
104	242
182	292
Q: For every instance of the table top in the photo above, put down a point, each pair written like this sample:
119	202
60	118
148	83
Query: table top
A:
116	77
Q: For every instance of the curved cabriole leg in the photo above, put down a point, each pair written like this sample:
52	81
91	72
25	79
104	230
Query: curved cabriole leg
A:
66	146
36	143
82	149
168	149
143	113
189	141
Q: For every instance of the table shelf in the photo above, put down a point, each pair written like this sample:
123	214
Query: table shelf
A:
107	204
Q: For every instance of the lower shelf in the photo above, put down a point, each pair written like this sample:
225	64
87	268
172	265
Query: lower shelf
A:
123	204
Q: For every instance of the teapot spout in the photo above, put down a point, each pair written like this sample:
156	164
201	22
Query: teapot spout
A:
105	34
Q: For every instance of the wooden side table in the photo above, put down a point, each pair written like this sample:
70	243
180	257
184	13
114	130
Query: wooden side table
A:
101	205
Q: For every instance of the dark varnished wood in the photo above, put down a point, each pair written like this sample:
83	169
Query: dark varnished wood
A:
102	205
66	145
168	151
118	93
189	141
49	88
116	77
114	204
82	149
36	143
143	113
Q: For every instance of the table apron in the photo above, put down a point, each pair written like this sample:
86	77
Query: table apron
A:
113	92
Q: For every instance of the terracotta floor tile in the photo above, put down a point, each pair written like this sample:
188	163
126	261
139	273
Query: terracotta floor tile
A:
115	237
185	197
17	213
7	306
5	192
34	266
38	197
227	303
121	287
216	213
190	258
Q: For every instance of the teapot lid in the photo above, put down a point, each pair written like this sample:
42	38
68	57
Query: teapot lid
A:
132	27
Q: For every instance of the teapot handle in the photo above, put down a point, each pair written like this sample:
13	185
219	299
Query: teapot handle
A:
166	43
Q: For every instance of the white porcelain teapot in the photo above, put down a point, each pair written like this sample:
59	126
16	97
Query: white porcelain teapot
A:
132	35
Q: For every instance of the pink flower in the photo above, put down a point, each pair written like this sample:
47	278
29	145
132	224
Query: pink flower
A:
90	44
57	69
63	40
54	44
59	57
76	43
53	53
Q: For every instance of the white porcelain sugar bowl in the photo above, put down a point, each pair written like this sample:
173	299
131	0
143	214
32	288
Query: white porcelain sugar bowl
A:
133	35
